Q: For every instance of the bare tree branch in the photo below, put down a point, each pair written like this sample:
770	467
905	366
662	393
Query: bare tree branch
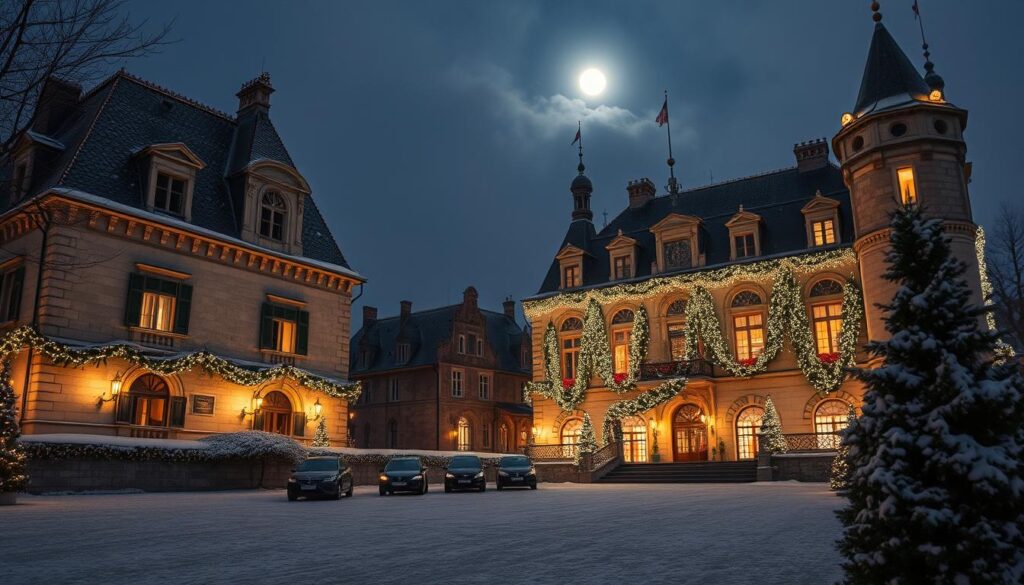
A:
1005	259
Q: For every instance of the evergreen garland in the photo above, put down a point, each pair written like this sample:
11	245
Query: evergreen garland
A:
839	477
936	488
657	396
67	356
771	429
588	440
13	476
320	438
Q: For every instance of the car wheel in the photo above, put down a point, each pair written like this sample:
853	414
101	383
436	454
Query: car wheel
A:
499	486
337	492
533	486
292	497
351	486
382	491
483	488
447	489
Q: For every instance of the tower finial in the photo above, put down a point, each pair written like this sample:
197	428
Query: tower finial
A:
934	81
875	14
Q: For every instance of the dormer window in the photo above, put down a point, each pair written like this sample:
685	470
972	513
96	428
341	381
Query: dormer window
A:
744	234
571	276
570	265
402	353
170	194
908	189
273	211
676	241
821	215
744	246
622	252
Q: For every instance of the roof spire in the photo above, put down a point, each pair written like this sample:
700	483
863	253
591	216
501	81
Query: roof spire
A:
581	186
875	14
934	81
890	79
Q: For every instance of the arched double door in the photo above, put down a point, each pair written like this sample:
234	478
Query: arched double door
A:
689	434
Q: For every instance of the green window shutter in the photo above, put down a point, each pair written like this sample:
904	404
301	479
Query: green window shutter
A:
302	333
125	408
182	308
178	411
267	326
133	306
14	304
299	424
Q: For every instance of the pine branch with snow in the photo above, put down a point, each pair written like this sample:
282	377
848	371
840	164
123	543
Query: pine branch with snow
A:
771	429
936	484
839	477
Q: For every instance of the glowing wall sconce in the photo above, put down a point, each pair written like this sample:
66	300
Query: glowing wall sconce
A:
115	389
257	406
317	411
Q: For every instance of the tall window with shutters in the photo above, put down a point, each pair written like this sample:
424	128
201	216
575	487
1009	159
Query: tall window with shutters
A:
11	283
158	304
284	329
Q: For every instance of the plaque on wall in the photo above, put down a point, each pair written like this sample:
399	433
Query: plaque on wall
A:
203	404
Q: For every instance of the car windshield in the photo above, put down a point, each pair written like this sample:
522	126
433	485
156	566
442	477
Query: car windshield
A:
318	465
515	461
403	465
464	461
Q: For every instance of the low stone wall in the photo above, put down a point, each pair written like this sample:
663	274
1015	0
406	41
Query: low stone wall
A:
82	475
802	466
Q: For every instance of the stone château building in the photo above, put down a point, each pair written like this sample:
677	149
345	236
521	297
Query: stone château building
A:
765	286
450	378
166	272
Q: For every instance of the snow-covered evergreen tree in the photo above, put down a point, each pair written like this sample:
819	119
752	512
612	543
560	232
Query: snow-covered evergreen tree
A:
771	429
936	484
588	440
840	474
320	438
13	477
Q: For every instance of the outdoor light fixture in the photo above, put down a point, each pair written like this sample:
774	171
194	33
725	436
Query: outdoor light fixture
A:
317	409
258	402
935	95
115	389
846	119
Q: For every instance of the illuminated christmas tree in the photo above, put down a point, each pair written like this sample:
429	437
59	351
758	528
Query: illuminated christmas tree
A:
771	429
588	440
320	438
13	477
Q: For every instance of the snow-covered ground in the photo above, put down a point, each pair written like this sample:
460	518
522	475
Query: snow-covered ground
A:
562	533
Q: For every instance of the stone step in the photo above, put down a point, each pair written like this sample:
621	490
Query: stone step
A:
702	472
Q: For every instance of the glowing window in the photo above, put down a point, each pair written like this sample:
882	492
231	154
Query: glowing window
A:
284	335
830	417
908	189
827	323
465	435
634	439
749	335
157	311
571	276
620	350
824	232
623	267
571	329
748	425
570	436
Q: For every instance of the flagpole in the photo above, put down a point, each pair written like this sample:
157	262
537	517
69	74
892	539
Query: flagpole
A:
671	161
579	132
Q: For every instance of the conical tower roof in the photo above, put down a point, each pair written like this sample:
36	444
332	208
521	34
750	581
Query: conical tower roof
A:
890	79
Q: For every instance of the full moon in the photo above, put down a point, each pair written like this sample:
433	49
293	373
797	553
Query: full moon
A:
592	82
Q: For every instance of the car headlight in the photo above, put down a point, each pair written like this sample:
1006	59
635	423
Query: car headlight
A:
479	475
532	472
503	473
383	478
417	477
449	476
291	480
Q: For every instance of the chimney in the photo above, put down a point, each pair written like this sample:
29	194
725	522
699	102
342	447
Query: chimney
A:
369	315
57	100
510	308
640	192
811	155
469	297
255	95
406	309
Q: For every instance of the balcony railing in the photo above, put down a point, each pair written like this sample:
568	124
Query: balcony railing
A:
808	442
604	455
675	369
559	452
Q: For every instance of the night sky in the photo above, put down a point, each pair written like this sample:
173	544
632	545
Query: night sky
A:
435	135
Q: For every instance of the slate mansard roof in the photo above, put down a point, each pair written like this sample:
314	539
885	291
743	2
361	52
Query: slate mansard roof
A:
776	196
425	332
125	114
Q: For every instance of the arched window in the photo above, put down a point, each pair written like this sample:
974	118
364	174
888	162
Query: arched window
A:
622	329
147	401
465	442
748	424
826	315
634	439
570	436
392	434
275	415
676	326
571	328
748	325
272	214
830	417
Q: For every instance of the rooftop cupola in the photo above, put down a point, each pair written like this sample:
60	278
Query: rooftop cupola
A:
255	94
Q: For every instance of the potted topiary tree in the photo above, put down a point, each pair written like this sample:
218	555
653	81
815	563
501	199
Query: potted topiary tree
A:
13	477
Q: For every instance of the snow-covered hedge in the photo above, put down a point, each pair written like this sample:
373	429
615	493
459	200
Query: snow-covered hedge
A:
253	445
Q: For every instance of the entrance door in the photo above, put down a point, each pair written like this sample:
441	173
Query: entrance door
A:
689	434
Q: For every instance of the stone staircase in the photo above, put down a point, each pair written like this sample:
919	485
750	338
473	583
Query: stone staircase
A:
708	472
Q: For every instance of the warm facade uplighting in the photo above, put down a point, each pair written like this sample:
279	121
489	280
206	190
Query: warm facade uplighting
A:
317	409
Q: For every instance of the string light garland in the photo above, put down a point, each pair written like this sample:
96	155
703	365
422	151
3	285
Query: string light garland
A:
637	292
642	403
1004	351
64	355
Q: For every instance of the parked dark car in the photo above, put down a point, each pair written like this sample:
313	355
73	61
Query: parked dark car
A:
465	472
404	474
516	471
320	477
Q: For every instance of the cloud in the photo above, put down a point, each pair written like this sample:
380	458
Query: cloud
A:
547	117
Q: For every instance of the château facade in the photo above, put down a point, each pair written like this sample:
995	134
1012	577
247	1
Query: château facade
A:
673	324
450	378
166	272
